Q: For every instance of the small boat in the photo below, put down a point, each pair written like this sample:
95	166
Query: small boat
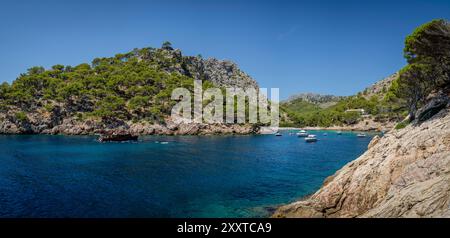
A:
278	134
325	134
311	138
361	135
339	132
117	137
302	133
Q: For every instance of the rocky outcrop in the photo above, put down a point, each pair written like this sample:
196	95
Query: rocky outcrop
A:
436	104
406	173
379	88
222	73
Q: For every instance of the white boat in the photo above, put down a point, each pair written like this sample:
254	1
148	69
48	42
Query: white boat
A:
302	133
278	134
339	132
361	135
311	138
325	134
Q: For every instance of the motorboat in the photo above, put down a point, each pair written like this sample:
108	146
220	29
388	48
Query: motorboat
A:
278	134
339	132
311	138
302	133
361	135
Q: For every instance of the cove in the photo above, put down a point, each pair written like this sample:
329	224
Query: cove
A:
188	176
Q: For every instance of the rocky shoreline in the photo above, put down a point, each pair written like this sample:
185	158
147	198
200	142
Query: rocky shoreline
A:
405	173
365	125
53	123
38	124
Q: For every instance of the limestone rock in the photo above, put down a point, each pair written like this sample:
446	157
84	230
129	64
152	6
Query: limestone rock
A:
373	142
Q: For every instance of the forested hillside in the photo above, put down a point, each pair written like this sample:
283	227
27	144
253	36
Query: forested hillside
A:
301	112
133	87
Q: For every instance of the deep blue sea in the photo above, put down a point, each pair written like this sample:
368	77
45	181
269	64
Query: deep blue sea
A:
190	176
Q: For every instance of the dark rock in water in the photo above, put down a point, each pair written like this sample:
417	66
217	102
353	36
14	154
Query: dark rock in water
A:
117	137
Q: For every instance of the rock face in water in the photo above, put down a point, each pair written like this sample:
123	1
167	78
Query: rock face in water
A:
406	173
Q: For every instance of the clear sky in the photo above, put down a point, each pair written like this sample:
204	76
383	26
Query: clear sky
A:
336	47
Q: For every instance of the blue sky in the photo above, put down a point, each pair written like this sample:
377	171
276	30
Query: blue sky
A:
336	47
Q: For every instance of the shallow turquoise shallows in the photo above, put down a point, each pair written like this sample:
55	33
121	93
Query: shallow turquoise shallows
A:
191	176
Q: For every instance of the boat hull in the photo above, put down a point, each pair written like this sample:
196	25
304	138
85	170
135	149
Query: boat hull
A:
117	138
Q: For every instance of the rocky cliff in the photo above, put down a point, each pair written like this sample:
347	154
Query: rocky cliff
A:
222	73
379	88
405	173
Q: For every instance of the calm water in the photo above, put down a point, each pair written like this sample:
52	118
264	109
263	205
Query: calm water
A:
191	176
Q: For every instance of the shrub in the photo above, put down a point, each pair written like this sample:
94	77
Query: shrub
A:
21	116
49	107
401	125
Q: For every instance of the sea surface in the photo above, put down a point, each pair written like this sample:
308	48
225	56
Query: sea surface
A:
165	176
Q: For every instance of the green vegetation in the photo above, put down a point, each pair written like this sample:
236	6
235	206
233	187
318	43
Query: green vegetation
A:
131	86
427	51
137	86
301	113
49	107
21	116
401	125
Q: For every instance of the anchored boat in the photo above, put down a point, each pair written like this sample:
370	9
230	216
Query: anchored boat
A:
302	133
117	137
361	135
311	138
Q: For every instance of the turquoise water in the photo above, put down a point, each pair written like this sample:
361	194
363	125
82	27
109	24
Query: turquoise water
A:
191	176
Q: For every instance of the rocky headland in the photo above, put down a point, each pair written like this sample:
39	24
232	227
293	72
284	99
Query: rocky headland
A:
125	93
405	173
